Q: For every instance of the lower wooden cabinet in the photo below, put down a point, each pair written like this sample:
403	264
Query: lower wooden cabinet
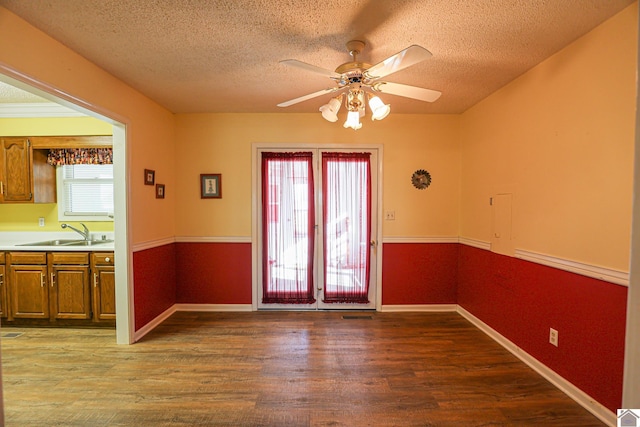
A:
61	287
28	290
104	287
3	287
69	293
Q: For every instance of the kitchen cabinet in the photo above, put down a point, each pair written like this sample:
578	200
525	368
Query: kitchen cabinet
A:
58	288
28	290
25	175
104	287
69	293
3	287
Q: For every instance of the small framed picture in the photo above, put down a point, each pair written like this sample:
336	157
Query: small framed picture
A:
211	186
149	177
159	191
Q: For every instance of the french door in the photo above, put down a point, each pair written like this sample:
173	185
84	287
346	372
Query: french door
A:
317	229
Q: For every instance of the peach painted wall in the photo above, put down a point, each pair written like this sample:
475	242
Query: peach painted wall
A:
560	138
150	128
222	143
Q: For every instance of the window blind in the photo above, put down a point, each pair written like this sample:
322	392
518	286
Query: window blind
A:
87	190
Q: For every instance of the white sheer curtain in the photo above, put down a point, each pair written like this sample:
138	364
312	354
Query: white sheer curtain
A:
288	224
346	192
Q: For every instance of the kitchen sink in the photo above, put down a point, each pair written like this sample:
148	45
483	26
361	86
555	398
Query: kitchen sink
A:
88	242
63	242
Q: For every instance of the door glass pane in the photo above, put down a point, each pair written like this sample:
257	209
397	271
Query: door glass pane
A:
346	192
288	224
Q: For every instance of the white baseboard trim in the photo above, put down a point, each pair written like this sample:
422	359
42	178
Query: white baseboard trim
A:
419	307
213	307
583	399
154	323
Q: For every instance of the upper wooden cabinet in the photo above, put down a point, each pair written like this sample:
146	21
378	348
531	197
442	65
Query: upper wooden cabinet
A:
16	183
25	176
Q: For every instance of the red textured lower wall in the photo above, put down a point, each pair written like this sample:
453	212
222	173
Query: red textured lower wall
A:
213	273
521	300
419	273
154	278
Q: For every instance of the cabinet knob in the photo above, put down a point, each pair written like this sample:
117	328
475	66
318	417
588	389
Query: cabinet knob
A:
107	259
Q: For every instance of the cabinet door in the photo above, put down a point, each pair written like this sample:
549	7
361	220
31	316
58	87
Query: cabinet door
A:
104	294
16	170
29	292
70	292
3	293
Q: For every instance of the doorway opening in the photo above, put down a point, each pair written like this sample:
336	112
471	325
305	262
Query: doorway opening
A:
122	261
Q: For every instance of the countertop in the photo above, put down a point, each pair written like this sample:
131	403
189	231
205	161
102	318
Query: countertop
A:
15	241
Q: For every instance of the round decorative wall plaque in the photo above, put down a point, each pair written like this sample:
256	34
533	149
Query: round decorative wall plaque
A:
421	179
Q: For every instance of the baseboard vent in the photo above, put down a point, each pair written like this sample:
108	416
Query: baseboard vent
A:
11	334
356	317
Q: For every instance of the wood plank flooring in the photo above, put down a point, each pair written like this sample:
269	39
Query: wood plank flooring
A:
279	369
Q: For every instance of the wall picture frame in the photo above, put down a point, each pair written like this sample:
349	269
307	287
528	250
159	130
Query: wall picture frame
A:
160	191
149	177
211	186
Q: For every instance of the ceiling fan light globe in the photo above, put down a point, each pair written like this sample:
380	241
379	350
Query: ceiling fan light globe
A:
328	114
330	110
379	110
353	120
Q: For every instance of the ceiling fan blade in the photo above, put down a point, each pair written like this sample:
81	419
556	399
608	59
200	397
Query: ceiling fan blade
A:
309	96
407	91
401	60
312	68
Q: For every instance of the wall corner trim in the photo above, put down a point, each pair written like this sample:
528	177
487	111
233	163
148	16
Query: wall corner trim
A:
213	239
150	244
426	239
480	244
593	271
580	397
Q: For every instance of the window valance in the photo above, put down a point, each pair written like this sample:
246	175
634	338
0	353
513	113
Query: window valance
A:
80	156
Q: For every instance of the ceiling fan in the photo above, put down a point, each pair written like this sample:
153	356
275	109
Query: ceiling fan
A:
360	79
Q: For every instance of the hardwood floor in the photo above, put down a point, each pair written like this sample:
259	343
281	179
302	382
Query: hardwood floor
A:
279	369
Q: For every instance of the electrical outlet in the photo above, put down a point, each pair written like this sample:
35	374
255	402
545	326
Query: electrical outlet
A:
41	222
390	215
553	336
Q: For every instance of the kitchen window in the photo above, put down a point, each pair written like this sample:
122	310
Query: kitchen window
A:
85	192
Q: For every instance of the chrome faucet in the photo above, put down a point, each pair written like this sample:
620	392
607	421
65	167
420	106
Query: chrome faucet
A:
85	234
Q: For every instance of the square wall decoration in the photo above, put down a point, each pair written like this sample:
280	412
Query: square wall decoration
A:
211	186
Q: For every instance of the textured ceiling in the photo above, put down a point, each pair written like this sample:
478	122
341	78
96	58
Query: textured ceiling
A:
223	55
13	95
